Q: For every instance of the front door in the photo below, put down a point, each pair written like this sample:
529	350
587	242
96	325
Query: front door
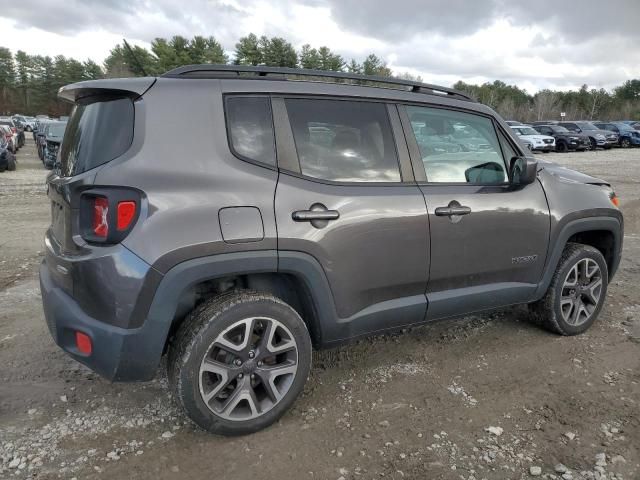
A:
349	208
488	238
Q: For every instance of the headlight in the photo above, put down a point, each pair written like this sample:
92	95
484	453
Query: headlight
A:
599	136
573	138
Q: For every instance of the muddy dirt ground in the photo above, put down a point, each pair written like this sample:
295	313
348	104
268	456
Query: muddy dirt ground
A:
416	405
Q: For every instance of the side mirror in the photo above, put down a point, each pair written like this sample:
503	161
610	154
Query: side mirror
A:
523	171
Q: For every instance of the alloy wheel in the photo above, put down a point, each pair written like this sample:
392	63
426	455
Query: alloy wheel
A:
248	368
581	292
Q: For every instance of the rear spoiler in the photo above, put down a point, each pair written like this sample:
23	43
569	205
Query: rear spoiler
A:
131	87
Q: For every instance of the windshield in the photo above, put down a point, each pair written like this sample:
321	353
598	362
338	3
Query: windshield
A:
527	131
56	130
623	127
559	129
588	126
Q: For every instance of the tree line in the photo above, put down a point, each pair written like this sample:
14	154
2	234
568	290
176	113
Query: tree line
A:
29	83
511	102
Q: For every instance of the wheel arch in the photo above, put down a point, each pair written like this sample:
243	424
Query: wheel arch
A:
602	232
294	277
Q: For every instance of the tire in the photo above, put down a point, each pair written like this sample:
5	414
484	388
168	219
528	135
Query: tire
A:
11	164
562	147
594	144
552	313
239	367
625	143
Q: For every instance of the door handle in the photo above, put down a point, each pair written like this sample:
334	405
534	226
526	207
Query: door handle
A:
311	215
453	210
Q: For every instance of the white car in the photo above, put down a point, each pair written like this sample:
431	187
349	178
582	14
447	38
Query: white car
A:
26	122
527	143
541	143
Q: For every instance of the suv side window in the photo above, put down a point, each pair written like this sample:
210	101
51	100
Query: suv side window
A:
457	147
343	141
250	128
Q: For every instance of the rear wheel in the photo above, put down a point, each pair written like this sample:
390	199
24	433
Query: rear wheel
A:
11	163
576	293
239	361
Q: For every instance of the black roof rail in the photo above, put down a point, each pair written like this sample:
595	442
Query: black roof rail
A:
281	73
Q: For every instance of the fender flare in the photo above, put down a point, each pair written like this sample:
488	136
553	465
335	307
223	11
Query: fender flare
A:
183	276
610	224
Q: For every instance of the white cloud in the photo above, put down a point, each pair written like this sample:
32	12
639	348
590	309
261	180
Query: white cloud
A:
441	40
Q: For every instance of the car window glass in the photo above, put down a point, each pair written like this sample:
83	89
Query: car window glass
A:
99	130
343	141
457	147
251	128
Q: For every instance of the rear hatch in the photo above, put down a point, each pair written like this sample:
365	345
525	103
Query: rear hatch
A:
99	130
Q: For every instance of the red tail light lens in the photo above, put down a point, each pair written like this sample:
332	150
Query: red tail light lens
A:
126	213
100	211
83	343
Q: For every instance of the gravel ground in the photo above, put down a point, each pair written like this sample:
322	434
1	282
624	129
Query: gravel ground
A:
481	397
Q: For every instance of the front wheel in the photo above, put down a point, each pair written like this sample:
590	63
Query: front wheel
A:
576	293
239	361
625	143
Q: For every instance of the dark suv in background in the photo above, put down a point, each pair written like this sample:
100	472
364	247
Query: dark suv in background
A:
598	137
565	140
627	135
296	214
54	133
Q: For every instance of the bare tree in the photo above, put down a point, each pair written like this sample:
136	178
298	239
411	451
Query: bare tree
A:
544	102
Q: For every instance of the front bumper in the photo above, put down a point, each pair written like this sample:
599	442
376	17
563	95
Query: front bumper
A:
547	147
118	354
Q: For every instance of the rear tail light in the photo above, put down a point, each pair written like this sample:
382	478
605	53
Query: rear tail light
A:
83	343
107	214
126	214
14	129
100	213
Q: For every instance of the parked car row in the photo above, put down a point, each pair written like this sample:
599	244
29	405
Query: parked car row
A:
48	135
13	132
577	135
7	157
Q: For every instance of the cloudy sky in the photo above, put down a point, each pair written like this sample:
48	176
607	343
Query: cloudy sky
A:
534	44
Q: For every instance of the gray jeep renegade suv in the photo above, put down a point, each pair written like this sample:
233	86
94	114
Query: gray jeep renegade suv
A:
299	213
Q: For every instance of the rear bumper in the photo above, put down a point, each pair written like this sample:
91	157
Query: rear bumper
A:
118	354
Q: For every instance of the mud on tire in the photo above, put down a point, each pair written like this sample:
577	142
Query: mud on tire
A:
554	311
245	347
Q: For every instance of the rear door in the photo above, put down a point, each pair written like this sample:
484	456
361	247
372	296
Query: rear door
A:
346	198
488	237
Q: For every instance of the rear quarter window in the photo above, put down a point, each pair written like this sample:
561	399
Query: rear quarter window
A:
250	129
99	130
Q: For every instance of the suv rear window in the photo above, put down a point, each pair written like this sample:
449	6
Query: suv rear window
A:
98	131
